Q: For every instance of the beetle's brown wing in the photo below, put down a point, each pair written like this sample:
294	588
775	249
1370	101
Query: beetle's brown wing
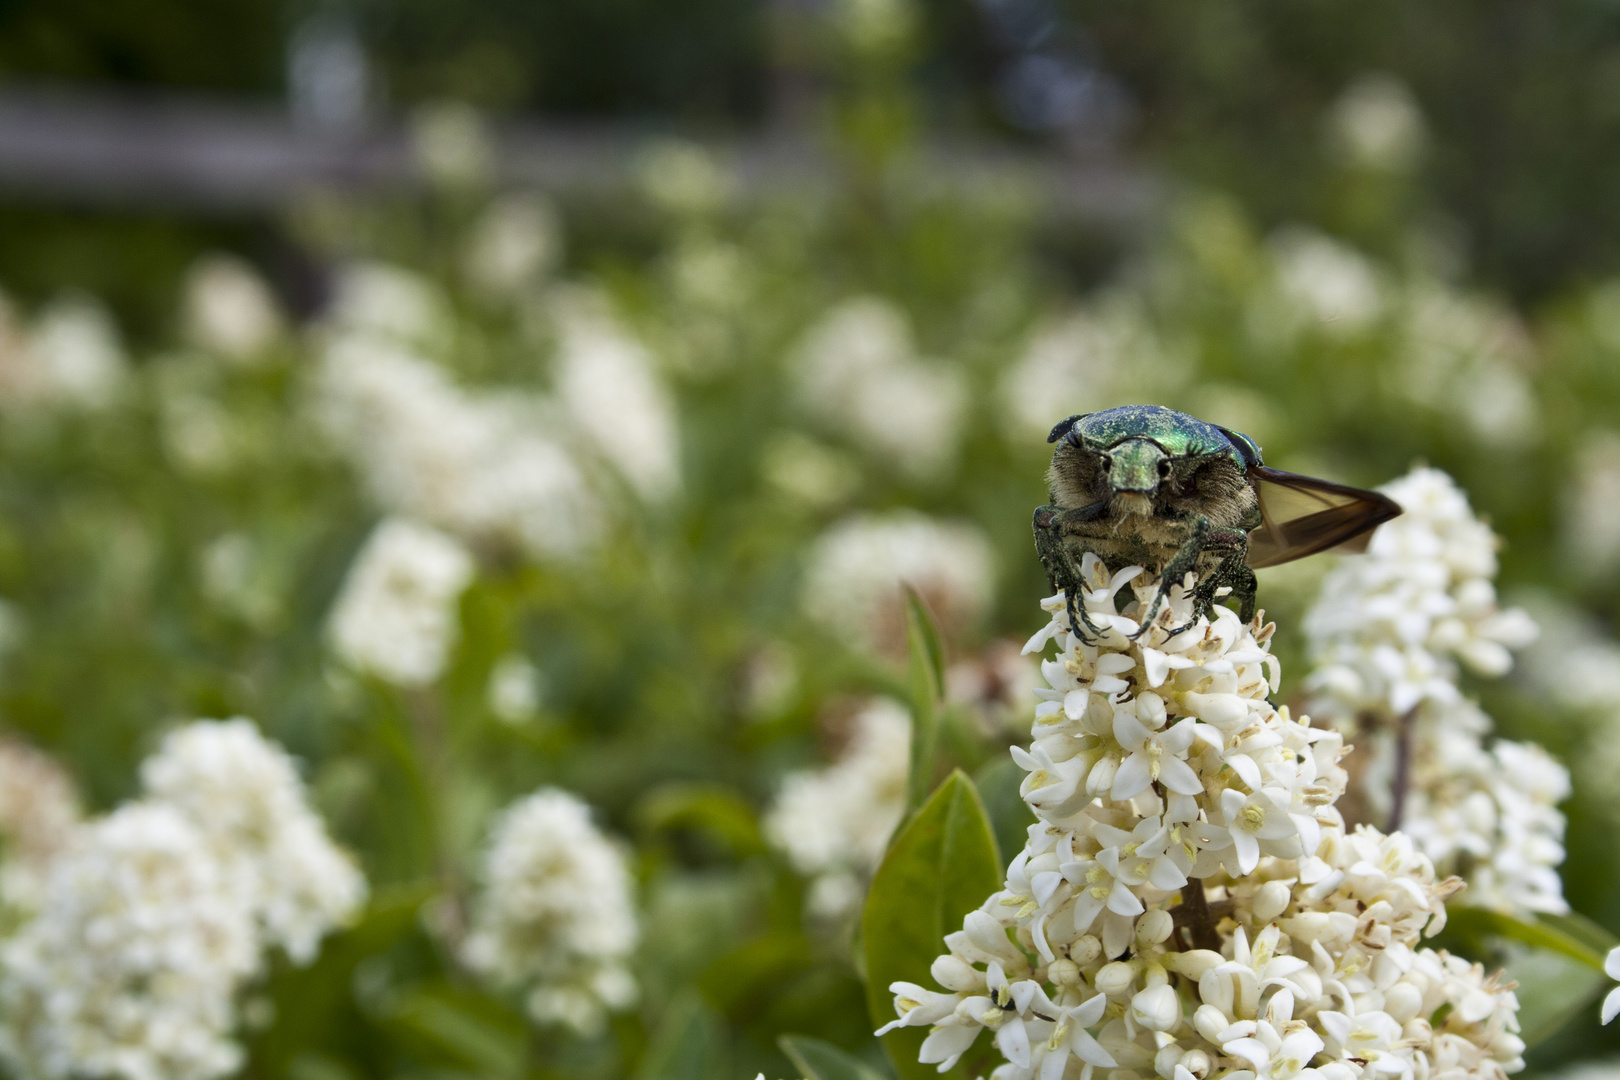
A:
1301	515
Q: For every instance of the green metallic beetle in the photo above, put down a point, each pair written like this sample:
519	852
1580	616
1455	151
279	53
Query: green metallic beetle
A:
1150	486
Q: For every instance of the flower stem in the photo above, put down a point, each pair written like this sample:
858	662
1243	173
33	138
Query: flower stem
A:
1193	913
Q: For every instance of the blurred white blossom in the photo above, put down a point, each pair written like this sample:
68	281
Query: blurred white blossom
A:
387	302
228	309
855	570
130	968
1591	507
1376	124
857	371
396	616
1391	634
808	471
682	178
515	688
512	245
1466	357
39	810
485	466
607	382
243	794
69	357
556	915
453	144
834	823
1331	286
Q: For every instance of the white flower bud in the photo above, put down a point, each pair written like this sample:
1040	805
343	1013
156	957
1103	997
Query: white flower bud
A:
1166	1060
1402	1002
1101	777
956	974
1157	1008
1196	1062
1193	963
1085	951
1115	978
1150	709
1271	901
1154	927
1210	1022
1063	972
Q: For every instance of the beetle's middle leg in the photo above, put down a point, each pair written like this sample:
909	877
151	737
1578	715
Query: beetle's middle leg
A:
1062	572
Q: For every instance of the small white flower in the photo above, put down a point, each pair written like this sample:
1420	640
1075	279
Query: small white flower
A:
556	913
396	615
1611	968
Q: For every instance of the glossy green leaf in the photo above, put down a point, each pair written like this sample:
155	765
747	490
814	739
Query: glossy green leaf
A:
1538	933
1554	989
942	865
818	1060
463	1030
927	673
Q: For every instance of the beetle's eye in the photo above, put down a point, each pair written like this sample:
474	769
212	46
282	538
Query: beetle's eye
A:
1106	460
1164	470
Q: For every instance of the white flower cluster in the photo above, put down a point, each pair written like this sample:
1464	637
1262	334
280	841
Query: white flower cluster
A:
834	824
484	466
1189	903
1391	633
396	616
607	383
131	966
556	914
855	570
151	918
70	357
858	372
244	795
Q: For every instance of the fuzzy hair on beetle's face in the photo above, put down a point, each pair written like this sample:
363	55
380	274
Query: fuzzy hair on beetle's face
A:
1211	485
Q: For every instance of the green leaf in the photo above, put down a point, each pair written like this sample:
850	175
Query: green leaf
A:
712	809
818	1060
942	865
687	1045
1553	990
927	671
1539	933
1584	930
923	632
463	1030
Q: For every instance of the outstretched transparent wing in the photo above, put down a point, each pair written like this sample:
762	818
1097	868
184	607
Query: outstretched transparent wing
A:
1301	515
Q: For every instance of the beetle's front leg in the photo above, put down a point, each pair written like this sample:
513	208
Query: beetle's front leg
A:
1183	561
1061	570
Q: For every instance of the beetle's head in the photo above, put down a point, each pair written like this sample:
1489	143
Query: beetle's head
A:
1135	468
